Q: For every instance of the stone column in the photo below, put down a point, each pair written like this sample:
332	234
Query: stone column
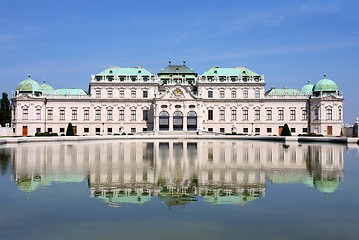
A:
184	123
171	123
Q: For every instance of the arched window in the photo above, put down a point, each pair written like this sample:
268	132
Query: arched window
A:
164	121
192	121
177	121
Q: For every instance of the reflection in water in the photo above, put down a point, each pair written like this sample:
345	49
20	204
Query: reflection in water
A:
177	172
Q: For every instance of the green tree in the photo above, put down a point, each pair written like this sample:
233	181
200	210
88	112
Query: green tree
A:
5	110
70	130
286	131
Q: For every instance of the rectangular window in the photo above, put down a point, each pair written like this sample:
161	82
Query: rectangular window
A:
305	130
245	114
329	114
145	94
210	129
98	131
122	115
145	114
257	94
340	113
109	130
210	94
210	114
122	93
292	115
234	94
49	130
222	130
257	114
133	114
245	94
133	94
316	114
144	129
245	130
38	114
269	130
280	114
98	114
25	114
86	114
109	94
133	130
221	114
38	130
109	114
304	114
98	93
221	94
269	115
86	130
62	114
258	130
292	130
62	130
234	115
50	114
74	114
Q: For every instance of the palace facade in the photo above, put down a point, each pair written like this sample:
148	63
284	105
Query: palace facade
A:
177	99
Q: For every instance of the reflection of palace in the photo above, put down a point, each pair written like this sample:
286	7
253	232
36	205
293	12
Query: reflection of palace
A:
177	172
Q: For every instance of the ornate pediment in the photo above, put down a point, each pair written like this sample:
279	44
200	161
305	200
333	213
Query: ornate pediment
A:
178	92
24	97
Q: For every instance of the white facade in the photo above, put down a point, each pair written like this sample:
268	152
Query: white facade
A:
119	101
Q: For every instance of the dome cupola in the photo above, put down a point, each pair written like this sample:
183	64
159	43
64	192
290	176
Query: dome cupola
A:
29	86
307	89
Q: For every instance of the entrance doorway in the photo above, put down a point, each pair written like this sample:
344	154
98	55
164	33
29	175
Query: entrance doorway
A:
280	130
24	130
75	129
192	121
329	130
178	121
164	119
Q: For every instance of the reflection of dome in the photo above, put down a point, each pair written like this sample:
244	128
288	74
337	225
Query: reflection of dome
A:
326	186
29	85
325	85
308	181
307	89
27	185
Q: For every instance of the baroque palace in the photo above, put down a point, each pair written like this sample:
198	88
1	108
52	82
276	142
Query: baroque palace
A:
177	99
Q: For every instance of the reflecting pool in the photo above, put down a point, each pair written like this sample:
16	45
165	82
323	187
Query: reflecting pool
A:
179	189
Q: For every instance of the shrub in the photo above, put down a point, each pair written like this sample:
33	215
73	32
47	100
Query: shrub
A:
70	130
234	133
123	134
116	134
130	134
45	134
310	135
286	131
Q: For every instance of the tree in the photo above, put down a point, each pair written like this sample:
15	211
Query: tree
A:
70	130
286	131
5	110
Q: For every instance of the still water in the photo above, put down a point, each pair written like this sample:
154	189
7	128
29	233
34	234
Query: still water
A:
179	190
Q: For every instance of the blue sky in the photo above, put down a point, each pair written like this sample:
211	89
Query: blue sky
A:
289	41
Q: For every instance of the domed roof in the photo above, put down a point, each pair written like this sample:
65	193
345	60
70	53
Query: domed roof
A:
29	85
46	88
325	85
326	186
307	89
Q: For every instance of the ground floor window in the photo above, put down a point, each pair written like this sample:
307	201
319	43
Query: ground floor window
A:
133	130
98	131
210	129
305	130
144	129
292	130
269	130
86	130
258	130
109	130
62	130
38	130
221	130
49	130
245	130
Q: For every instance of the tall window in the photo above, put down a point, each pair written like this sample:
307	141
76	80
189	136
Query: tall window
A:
221	114
98	114
316	114
86	114
133	94
292	115
329	114
269	115
74	114
50	114
62	114
234	115
122	93
109	114
234	94
133	114
122	115
304	114
340	113
280	114
38	114
257	94
110	93
25	114
257	114
221	94
210	94
145	94
145	114
245	114
210	114
98	93
245	94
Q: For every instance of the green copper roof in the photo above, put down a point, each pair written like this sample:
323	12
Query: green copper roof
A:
46	88
307	89
326	186
325	85
70	92
125	71
29	85
236	71
177	69
284	92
